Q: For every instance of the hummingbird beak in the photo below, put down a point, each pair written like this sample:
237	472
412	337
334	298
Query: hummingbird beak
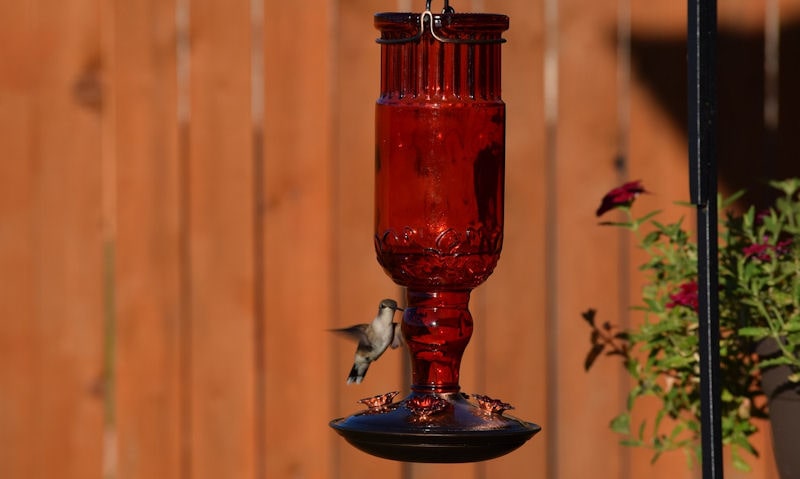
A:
399	309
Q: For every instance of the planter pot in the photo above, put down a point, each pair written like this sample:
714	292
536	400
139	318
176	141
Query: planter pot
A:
784	413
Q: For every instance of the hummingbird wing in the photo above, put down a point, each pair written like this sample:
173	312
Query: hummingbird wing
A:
357	332
397	336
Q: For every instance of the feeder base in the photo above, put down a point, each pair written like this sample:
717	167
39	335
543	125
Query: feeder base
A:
436	428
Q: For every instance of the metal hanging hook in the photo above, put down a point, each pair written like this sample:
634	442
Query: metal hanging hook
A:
447	8
428	22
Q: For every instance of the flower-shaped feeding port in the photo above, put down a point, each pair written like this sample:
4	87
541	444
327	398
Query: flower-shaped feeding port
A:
423	407
379	403
491	406
439	206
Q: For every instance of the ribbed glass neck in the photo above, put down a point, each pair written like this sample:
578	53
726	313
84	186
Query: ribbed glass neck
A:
428	68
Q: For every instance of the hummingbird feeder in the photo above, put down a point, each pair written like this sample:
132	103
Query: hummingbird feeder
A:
439	192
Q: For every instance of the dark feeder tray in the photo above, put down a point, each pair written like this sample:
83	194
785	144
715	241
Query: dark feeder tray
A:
437	428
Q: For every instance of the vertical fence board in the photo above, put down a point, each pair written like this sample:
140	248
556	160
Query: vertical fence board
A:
587	257
221	241
51	245
19	336
788	75
660	161
148	293
359	282
513	326
296	219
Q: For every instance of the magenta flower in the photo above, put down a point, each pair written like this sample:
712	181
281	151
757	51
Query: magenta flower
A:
620	196
783	246
762	250
686	296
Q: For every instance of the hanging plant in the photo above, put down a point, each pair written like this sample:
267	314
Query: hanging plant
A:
759	301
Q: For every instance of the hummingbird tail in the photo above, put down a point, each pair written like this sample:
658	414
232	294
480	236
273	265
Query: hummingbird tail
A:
356	376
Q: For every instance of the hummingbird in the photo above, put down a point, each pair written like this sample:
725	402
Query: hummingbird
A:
373	339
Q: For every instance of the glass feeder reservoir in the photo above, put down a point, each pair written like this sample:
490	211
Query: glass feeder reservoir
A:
439	190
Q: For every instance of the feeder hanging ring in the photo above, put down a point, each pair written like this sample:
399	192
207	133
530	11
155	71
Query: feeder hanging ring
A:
430	22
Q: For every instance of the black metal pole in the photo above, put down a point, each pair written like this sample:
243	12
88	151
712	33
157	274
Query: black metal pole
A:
702	32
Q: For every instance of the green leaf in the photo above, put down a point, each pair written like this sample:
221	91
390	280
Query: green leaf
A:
739	463
771	362
621	424
676	362
726	202
651	238
631	443
792	327
789	186
754	331
653	305
655	456
676	431
641	429
646	217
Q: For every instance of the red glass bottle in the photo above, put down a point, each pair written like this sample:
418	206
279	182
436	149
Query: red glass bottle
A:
439	178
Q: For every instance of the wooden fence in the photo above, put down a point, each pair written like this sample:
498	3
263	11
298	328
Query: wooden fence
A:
186	207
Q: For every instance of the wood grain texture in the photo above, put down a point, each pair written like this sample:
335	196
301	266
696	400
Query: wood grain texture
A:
221	220
514	324
297	222
661	162
586	268
359	282
149	308
51	244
